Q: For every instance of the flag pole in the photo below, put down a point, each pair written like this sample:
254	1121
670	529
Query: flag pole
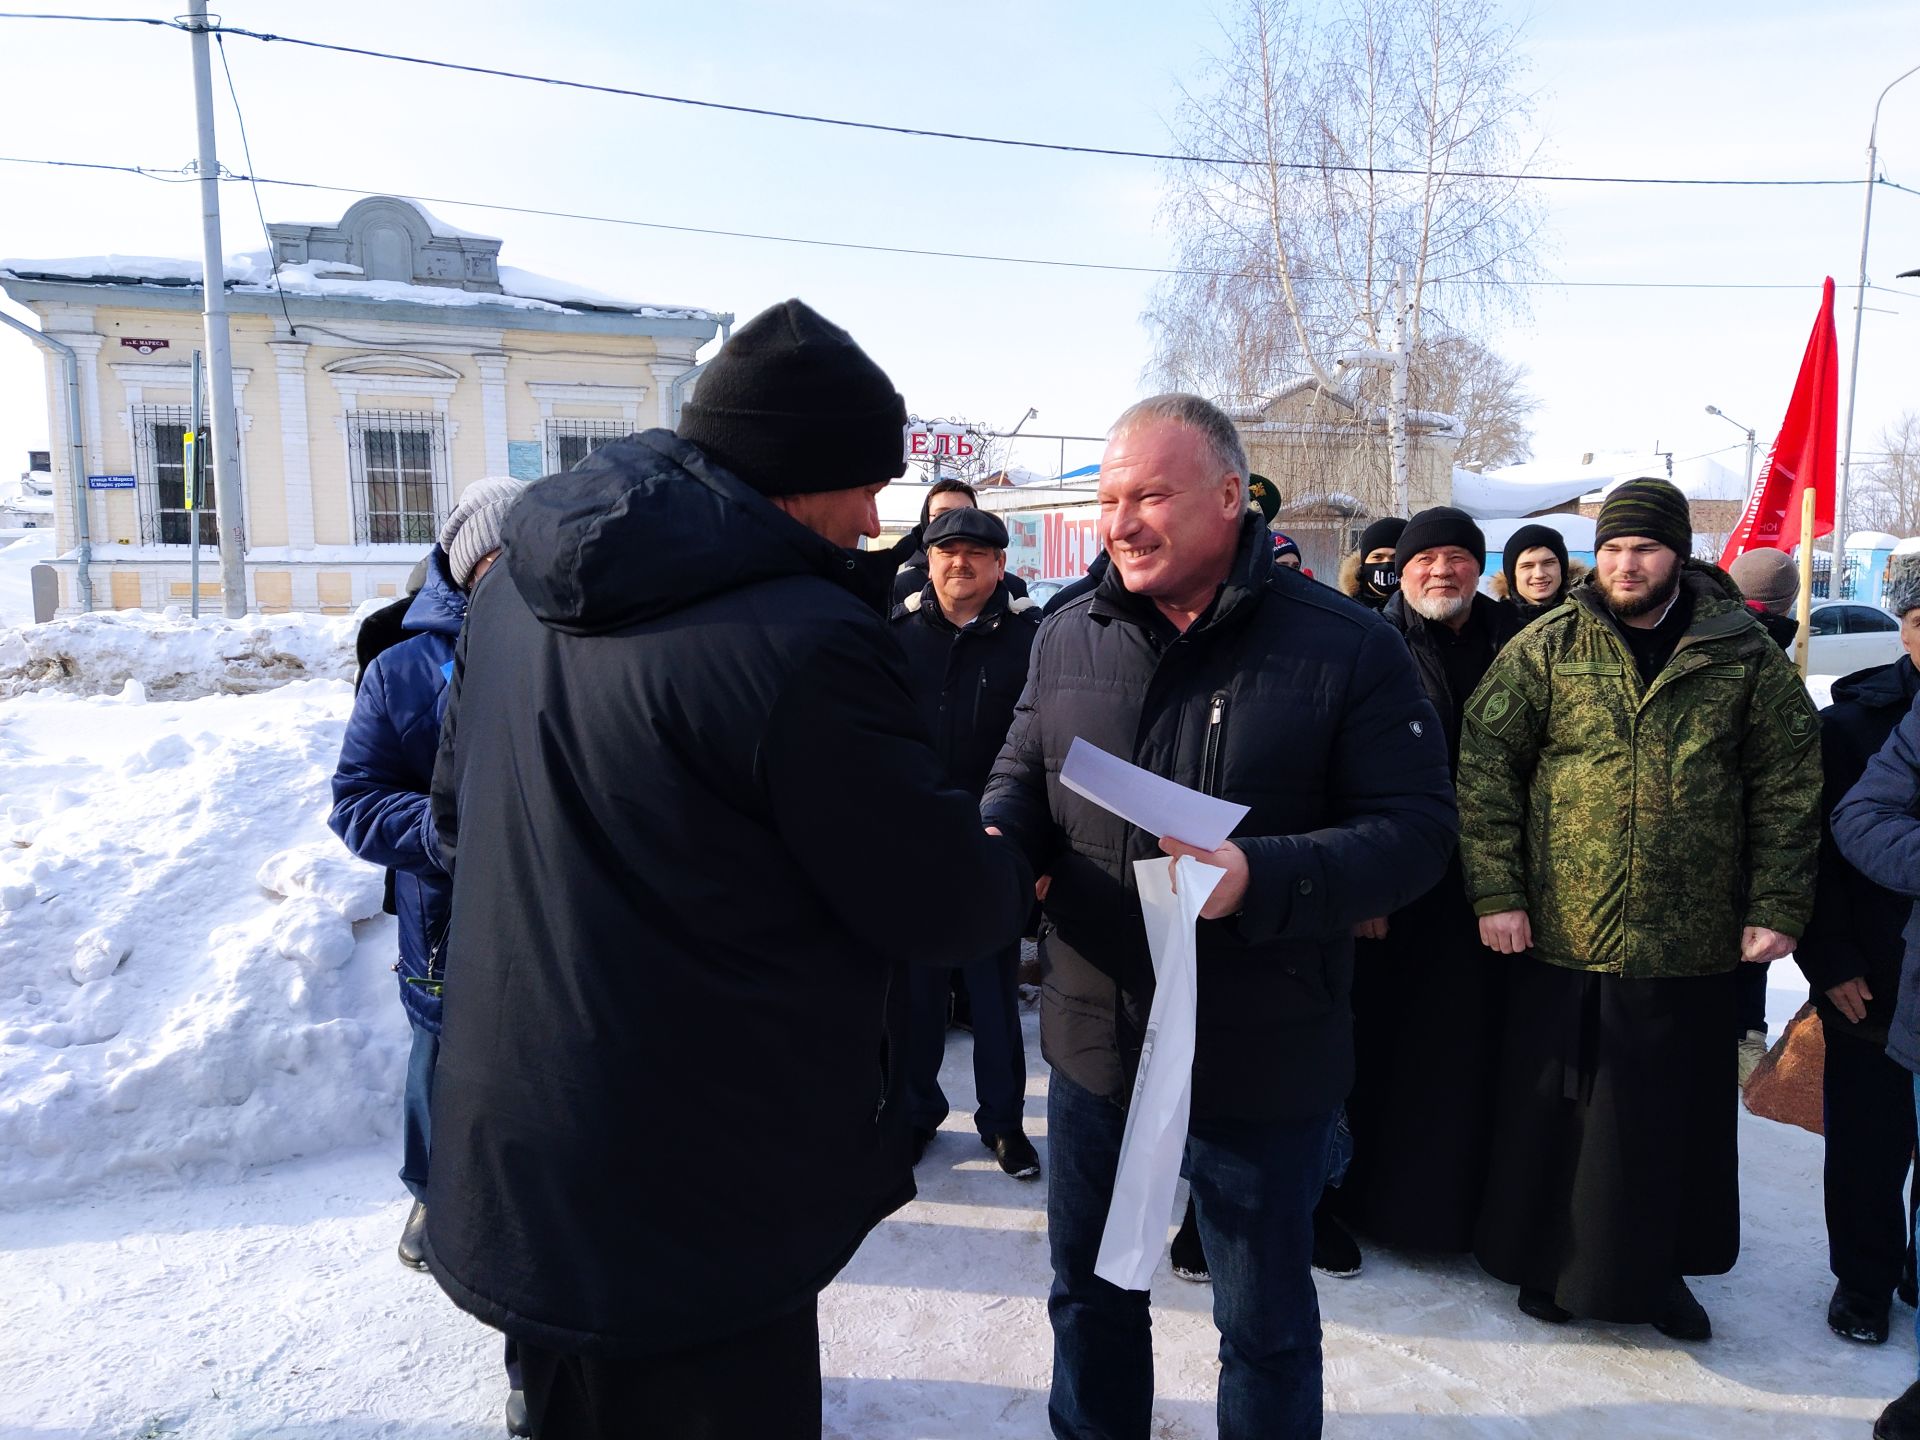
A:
1801	647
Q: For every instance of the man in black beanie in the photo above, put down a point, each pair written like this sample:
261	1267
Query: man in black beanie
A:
1535	571
679	755
1426	994
1368	574
1639	799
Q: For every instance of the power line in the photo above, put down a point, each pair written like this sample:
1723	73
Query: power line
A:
915	132
151	173
246	150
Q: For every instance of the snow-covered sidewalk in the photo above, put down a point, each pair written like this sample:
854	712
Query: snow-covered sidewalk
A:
275	1307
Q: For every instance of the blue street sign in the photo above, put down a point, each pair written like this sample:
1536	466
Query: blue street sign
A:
110	482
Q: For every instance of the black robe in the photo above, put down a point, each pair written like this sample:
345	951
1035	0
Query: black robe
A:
1427	1010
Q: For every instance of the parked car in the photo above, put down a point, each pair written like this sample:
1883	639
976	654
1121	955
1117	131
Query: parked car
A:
1846	635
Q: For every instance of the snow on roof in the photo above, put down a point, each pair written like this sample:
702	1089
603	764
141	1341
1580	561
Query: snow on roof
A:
249	273
1517	490
1909	546
1872	540
1576	530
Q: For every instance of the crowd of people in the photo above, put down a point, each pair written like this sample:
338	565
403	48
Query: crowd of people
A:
694	808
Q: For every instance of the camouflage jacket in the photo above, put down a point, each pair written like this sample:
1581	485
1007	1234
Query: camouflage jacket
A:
1642	826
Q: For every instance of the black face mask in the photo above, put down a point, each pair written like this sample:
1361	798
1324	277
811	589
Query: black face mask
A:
1379	581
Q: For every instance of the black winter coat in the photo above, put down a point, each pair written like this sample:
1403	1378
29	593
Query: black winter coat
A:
967	681
1442	656
1287	697
1856	925
673	781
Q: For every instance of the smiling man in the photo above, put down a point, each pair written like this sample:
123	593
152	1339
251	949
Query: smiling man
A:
1639	790
1201	660
1426	994
966	640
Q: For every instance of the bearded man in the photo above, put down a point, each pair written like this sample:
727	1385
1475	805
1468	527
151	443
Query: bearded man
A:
1639	793
1426	995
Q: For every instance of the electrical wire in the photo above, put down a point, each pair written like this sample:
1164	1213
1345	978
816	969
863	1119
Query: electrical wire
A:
247	152
872	248
914	132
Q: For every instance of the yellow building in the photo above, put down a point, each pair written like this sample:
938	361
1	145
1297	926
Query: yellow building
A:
407	363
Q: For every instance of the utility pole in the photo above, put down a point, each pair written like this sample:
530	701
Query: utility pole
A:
190	476
229	503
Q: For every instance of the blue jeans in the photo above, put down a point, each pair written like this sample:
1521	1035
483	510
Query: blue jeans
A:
1255	1184
416	1105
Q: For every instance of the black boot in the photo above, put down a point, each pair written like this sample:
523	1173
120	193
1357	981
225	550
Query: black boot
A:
1682	1317
1015	1153
517	1422
1539	1304
1335	1252
1189	1260
1901	1419
413	1238
1855	1315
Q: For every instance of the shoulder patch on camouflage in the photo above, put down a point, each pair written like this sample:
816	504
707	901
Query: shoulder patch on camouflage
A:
1499	707
1794	710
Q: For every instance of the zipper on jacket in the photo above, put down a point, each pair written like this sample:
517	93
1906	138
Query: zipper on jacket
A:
979	697
1216	733
886	1049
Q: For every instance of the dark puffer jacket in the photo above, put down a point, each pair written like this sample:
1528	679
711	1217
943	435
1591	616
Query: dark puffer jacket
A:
1877	829
380	788
967	681
1286	697
1856	927
1443	656
673	785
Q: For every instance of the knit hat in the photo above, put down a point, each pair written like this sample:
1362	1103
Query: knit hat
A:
792	406
1284	545
472	530
1533	537
1650	507
1768	578
1265	494
1382	534
964	522
1442	525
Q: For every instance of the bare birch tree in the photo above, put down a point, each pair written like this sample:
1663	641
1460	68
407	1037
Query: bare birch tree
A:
1889	496
1326	157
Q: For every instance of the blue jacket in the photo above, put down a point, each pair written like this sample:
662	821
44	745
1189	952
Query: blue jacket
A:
1877	827
381	804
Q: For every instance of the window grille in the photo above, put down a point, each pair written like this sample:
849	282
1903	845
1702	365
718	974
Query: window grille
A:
160	466
571	441
398	461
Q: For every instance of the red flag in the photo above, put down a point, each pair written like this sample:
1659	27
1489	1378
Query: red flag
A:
1804	453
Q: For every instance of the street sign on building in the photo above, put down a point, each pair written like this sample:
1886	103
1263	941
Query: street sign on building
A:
110	482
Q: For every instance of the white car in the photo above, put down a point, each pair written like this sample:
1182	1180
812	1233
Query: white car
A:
1847	635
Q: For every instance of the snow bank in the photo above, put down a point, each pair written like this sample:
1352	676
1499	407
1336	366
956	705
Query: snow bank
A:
184	988
172	656
20	551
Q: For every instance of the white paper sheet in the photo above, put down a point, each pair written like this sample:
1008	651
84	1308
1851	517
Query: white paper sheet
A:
1156	1133
1157	805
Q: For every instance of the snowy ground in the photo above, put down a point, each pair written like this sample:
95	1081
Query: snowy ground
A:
200	1062
20	551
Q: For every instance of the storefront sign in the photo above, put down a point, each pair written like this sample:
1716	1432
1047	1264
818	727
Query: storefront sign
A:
1056	544
933	441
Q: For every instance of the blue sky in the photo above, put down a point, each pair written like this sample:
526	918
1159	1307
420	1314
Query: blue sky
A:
1765	89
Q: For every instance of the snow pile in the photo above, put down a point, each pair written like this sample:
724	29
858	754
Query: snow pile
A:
20	551
182	984
170	655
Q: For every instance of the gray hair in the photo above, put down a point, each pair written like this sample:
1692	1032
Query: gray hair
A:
1203	416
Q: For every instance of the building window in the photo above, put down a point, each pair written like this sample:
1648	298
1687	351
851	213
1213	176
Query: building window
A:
571	441
160	464
399	465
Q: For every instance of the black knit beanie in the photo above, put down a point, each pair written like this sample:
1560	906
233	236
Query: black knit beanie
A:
1442	525
1382	534
1533	537
793	406
1650	507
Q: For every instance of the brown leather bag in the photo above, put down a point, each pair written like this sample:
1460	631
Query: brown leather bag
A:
1786	1085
